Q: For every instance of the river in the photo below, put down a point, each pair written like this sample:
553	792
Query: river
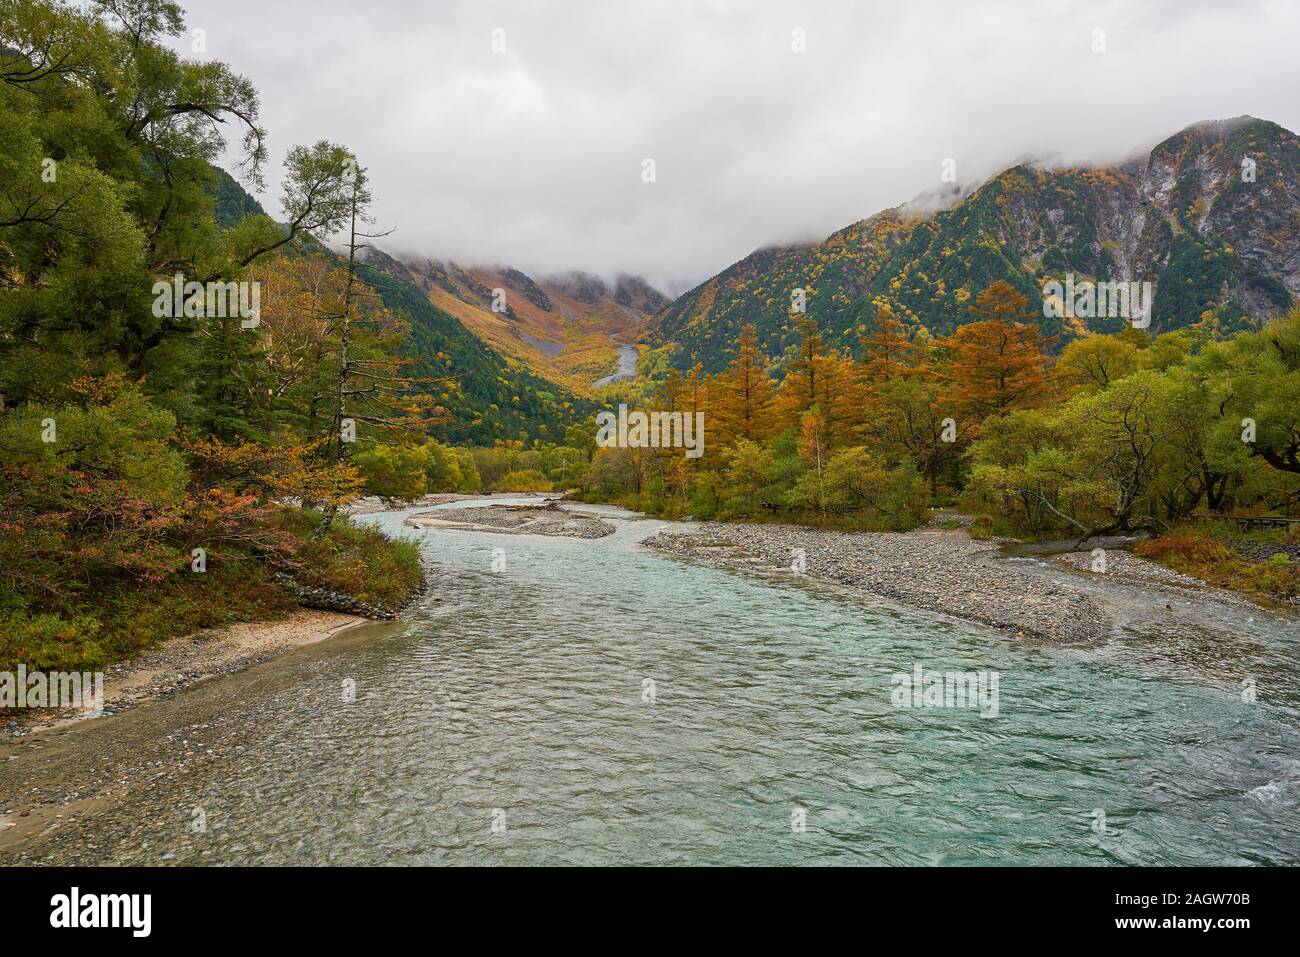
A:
626	366
588	702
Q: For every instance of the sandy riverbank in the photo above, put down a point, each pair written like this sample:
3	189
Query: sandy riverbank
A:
181	663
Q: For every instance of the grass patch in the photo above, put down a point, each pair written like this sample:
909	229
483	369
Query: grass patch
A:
1194	552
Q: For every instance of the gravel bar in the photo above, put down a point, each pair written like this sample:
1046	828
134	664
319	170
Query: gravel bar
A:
524	519
947	573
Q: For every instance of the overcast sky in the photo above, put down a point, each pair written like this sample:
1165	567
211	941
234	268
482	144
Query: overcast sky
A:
533	156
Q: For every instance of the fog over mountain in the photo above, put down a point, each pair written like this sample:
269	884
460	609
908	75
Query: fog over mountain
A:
532	154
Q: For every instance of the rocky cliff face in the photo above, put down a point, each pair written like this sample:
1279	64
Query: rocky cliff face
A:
637	294
1260	220
1211	217
579	285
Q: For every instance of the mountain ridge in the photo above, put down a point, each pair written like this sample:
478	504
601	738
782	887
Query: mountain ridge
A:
494	396
565	327
1182	216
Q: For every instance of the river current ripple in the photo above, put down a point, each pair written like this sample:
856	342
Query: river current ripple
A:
589	702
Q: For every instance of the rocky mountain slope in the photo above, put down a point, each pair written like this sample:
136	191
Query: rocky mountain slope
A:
565	327
1211	217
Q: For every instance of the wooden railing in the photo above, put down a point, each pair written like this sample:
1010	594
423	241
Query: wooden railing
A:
1247	522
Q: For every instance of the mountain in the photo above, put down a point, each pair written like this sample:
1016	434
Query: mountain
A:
630	291
231	202
636	293
566	328
497	396
1184	217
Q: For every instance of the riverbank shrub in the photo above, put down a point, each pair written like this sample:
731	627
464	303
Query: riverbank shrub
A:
1271	575
116	613
356	559
106	548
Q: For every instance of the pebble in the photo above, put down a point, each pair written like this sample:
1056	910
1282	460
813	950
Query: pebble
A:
953	575
534	520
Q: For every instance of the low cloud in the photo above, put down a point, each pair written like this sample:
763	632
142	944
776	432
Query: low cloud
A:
534	155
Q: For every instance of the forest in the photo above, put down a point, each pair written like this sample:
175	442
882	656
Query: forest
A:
168	469
1165	437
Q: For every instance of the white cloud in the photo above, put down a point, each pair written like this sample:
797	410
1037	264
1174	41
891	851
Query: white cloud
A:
533	156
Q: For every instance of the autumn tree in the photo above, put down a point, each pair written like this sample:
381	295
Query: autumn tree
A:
998	363
817	379
886	349
747	467
911	419
692	403
1255	381
1097	361
815	451
744	396
300	293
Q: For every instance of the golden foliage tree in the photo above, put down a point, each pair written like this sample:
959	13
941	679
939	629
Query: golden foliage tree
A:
743	405
999	363
886	350
818	380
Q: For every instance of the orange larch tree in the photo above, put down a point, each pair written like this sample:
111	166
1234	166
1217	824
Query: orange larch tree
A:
886	350
743	405
818	379
999	363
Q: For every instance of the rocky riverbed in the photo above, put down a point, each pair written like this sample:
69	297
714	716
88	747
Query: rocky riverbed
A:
948	573
548	519
1125	566
371	504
